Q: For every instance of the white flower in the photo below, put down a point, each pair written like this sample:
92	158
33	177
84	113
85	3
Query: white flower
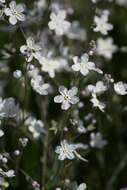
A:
39	86
8	108
97	141
98	88
102	24
66	150
97	103
58	22
15	12
36	127
105	47
49	65
67	97
31	50
120	88
82	186
84	65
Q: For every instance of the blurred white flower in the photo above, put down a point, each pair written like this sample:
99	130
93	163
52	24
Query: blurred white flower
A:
84	65
102	24
8	108
98	88
15	12
49	65
120	88
105	47
31	50
97	103
41	4
58	22
36	127
67	97
17	74
82	186
39	86
97	141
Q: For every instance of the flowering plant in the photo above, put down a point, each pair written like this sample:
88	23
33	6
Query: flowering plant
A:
63	88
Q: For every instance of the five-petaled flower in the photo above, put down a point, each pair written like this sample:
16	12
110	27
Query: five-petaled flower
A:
84	65
15	12
58	22
105	47
67	97
68	150
102	24
31	50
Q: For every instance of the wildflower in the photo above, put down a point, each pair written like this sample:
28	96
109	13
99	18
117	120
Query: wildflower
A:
120	88
31	50
98	88
36	127
102	24
84	65
66	150
58	22
8	108
97	103
15	12
97	141
67	97
49	65
39	86
105	47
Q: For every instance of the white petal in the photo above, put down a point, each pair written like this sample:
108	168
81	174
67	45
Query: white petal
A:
21	17
7	12
76	67
74	100
13	19
12	5
20	8
23	49
73	91
65	105
58	99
